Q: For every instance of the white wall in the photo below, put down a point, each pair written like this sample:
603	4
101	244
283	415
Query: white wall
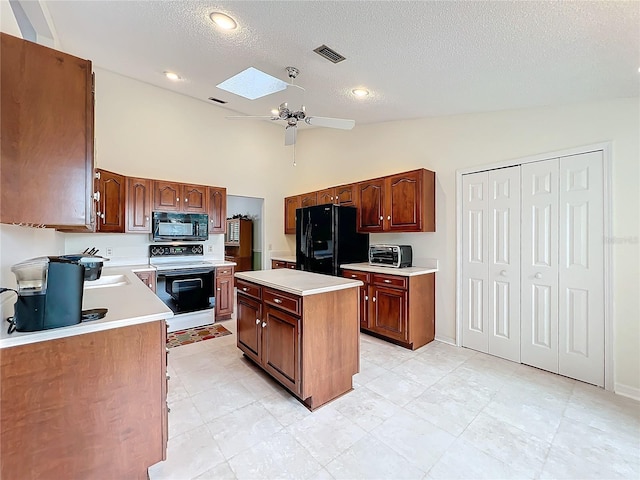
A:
446	144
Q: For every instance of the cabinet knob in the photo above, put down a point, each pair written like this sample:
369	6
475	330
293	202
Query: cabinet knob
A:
388	217
538	275
387	281
353	276
374	299
245	289
257	321
277	300
218	289
96	196
178	200
102	216
366	297
264	324
381	217
186	200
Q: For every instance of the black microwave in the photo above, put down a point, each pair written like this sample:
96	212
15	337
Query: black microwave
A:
180	227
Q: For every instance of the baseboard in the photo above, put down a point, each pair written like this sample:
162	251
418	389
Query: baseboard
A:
449	340
627	391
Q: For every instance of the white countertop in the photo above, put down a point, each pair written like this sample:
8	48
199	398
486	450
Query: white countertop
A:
430	267
284	258
128	304
297	282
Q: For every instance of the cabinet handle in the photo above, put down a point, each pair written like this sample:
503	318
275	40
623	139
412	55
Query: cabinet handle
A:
96	196
245	289
388	217
354	276
257	321
186	200
102	216
374	299
98	175
366	297
381	217
264	324
218	288
178	200
146	219
387	281
277	300
538	275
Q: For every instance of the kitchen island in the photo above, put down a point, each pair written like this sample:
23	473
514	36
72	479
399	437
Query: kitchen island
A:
302	328
88	400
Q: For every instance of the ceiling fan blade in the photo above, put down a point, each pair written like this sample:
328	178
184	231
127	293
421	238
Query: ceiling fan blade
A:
290	134
340	123
252	117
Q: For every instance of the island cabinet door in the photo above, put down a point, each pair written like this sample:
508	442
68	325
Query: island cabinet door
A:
249	318
281	347
389	315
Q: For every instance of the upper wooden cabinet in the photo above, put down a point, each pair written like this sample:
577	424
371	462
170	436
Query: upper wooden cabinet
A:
397	203
326	196
217	210
46	123
290	206
346	195
138	203
111	199
179	197
309	199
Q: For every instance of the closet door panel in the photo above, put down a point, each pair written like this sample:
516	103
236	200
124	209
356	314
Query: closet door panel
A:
475	329
504	263
539	265
581	268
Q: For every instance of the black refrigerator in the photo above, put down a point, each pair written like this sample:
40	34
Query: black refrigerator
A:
326	238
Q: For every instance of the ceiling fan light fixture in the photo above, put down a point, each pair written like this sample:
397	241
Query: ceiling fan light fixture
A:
360	92
223	21
172	76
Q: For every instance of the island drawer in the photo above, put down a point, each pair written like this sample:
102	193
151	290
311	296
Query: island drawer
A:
285	301
250	289
356	275
390	280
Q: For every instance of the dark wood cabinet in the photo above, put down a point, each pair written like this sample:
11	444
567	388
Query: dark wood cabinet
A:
309	199
138	202
179	197
111	202
290	206
326	196
238	244
283	264
217	210
307	343
46	122
398	308
148	277
224	293
346	195
397	203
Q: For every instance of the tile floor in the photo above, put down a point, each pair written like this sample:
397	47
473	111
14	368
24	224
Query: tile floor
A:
438	412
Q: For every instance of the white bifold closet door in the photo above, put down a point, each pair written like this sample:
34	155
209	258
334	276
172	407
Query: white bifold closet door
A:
491	262
563	266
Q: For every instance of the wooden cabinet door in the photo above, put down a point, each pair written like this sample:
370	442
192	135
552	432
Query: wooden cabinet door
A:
249	321
148	278
110	214
346	195
364	294
194	198
46	126
138	201
290	206
278	264
404	202
224	294
370	198
281	347
217	209
309	199
166	196
389	316
326	196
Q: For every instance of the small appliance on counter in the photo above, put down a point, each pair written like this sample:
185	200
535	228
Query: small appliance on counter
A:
397	256
92	264
49	294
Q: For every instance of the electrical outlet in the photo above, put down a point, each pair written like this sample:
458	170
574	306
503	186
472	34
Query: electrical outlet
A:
109	251
209	248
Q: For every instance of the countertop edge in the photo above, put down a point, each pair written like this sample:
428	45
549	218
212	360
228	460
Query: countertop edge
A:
405	272
345	284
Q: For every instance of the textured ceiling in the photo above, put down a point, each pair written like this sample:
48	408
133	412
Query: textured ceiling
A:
418	59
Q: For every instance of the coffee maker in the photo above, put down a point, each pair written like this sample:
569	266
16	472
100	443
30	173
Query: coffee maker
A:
49	293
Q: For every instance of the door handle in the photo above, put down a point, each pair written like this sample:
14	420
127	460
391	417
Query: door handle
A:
503	273
538	275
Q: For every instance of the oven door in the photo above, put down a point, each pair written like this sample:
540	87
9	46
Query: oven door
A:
187	289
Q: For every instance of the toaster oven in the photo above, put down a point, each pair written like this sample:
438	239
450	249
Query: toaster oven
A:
397	256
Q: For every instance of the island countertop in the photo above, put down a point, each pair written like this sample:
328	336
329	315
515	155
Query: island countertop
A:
128	300
297	282
429	267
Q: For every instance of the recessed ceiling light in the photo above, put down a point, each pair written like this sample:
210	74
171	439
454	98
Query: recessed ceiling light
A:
223	21
172	76
360	92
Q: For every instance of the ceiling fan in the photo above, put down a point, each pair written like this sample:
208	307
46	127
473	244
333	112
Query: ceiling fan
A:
292	117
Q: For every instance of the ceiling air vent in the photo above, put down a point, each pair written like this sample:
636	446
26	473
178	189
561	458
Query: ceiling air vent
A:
329	54
217	100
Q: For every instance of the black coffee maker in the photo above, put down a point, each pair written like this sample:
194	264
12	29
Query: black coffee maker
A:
49	293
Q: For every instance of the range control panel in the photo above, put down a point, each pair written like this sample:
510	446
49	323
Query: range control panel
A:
176	250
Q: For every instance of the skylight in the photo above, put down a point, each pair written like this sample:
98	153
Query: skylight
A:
252	83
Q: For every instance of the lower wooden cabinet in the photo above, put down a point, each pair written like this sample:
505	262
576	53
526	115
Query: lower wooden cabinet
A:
148	277
87	406
223	293
283	264
398	308
309	344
